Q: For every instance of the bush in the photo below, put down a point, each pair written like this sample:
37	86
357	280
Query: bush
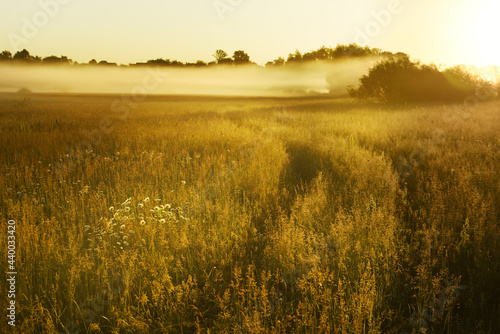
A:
403	80
24	90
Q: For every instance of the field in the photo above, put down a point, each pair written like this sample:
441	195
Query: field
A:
250	215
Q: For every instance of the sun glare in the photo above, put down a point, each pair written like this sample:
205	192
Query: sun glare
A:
482	33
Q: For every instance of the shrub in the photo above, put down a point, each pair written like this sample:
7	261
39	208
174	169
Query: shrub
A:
403	80
24	90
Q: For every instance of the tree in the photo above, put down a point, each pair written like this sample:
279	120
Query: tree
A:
105	63
160	62
220	55
5	55
293	58
402	80
323	53
57	60
176	63
226	61
23	55
353	50
93	62
240	57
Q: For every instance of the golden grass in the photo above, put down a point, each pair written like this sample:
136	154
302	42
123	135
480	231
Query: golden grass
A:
251	215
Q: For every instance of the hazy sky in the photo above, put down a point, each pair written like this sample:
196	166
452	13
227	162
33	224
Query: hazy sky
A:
444	31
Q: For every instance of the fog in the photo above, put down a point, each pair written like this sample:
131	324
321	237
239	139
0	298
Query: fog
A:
248	80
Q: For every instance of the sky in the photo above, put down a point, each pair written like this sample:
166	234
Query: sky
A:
442	32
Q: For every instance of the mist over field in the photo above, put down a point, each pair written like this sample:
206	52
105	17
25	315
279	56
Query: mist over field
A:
248	80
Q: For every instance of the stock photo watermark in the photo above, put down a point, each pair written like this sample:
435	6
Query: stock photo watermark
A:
421	319
222	7
11	272
31	26
453	116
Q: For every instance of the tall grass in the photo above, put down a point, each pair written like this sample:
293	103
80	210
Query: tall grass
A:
218	215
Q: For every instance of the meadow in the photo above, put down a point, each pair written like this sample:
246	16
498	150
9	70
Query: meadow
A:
179	214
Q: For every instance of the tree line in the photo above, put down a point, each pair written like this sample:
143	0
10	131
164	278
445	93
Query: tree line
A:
221	57
395	78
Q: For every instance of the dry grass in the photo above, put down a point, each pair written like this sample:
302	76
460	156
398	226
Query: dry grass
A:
227	215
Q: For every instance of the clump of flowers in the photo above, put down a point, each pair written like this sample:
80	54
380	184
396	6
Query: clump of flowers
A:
126	224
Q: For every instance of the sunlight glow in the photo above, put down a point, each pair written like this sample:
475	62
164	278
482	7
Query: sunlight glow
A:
482	34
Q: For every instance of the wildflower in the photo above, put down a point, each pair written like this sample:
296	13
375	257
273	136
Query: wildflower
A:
157	200
125	243
123	227
168	206
146	200
127	209
140	205
162	221
157	209
143	222
131	232
111	208
183	182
